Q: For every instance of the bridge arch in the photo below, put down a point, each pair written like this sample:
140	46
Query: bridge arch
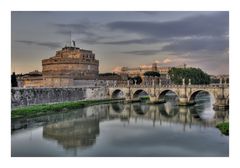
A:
194	94
164	92
140	92
118	93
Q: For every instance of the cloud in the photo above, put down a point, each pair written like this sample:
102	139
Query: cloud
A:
201	25
167	60
188	46
90	32
85	28
142	52
117	69
51	45
148	32
211	44
145	66
148	12
134	41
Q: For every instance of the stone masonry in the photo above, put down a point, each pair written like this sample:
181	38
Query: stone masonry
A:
31	96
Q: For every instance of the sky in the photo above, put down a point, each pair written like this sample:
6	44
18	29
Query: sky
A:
135	38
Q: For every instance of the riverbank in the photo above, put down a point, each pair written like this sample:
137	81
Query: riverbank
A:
44	109
224	128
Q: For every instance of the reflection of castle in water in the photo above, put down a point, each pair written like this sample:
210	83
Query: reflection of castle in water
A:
75	129
73	133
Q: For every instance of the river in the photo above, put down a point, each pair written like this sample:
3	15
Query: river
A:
118	129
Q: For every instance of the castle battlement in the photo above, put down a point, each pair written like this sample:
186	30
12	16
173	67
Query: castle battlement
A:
69	61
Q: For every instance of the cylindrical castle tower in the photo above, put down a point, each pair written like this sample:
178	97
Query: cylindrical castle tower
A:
69	64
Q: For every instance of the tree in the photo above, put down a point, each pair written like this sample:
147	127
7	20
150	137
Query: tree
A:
14	80
109	74
152	74
196	75
138	79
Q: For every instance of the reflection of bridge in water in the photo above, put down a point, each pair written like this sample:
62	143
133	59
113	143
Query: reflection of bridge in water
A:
164	113
80	128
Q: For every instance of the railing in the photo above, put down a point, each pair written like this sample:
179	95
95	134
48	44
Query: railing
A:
168	86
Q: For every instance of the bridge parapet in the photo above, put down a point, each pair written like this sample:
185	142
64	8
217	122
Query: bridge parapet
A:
186	93
169	86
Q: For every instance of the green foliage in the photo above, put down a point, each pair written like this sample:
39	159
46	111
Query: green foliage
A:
44	109
14	80
196	75
138	79
152	74
21	91
224	128
144	98
109	74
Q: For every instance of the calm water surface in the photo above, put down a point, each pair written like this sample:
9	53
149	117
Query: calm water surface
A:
119	129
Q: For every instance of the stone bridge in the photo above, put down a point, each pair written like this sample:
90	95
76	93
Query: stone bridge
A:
186	93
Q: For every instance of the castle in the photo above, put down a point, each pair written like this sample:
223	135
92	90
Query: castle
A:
66	68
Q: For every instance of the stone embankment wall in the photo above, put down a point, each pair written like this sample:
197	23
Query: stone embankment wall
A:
31	96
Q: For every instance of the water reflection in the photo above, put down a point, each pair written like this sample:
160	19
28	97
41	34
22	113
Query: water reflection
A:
141	109
73	133
118	107
81	128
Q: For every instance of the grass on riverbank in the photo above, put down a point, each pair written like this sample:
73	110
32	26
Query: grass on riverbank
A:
224	128
43	109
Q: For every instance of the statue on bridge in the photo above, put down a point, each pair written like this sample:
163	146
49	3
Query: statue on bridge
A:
183	81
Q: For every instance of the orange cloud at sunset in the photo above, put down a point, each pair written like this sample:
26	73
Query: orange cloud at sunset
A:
117	69
167	60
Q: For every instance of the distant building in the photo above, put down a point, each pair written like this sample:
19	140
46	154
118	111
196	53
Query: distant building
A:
139	71
109	76
31	79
